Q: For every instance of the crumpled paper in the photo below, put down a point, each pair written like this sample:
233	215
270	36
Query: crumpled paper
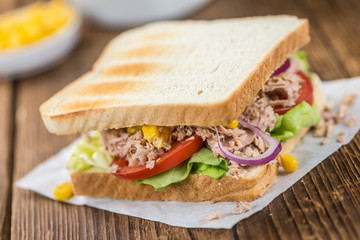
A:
309	153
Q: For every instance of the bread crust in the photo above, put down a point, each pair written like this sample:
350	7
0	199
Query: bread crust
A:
105	113
192	189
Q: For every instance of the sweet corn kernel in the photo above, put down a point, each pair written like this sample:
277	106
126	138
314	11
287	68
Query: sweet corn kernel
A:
233	124
157	135
150	132
165	133
36	21
133	130
63	191
288	162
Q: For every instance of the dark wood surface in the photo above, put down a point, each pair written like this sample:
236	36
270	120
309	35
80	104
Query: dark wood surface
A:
325	204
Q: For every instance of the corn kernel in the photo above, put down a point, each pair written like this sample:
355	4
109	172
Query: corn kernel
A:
156	135
133	130
233	124
63	191
288	162
163	138
150	132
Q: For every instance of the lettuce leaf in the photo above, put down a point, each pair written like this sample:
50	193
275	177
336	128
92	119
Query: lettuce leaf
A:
205	163
87	154
164	179
202	162
301	55
290	124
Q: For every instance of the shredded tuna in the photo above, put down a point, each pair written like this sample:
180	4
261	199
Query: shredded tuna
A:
351	121
329	119
326	125
150	164
345	106
340	137
182	132
241	207
133	147
278	91
325	141
213	216
282	91
348	99
236	170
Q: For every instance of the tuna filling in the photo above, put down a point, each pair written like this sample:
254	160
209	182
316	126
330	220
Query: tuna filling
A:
277	91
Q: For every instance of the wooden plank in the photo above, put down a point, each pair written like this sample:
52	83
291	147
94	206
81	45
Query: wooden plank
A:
6	128
6	142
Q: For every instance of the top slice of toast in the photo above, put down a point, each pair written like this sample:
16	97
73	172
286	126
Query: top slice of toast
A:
200	73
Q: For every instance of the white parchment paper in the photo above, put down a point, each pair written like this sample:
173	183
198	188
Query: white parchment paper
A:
309	153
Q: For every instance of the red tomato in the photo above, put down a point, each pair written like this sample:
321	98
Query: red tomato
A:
179	152
306	94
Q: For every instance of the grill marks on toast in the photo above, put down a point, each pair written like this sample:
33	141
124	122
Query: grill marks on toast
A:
112	88
157	36
148	51
87	104
135	69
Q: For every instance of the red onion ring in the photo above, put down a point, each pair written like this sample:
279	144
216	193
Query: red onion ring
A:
283	68
270	154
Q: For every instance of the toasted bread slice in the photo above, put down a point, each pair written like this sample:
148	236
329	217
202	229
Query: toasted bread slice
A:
200	73
196	187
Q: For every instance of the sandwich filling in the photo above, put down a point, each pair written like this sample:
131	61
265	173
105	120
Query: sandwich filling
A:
153	154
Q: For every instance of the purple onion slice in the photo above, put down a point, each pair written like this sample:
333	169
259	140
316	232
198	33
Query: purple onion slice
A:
283	68
274	148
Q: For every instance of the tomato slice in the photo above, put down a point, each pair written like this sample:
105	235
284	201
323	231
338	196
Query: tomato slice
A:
306	94
179	152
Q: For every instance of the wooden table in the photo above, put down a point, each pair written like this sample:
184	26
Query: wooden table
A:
324	204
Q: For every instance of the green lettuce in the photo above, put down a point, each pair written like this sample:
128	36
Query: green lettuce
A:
202	162
301	55
205	163
87	154
290	124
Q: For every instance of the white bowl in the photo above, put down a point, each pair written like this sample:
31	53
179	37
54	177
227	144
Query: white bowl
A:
126	13
43	54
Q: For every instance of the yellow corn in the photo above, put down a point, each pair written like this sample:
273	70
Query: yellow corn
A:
165	133
133	130
150	132
156	135
288	162
233	124
63	191
38	20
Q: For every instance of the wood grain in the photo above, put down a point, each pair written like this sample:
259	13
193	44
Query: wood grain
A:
325	204
6	127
